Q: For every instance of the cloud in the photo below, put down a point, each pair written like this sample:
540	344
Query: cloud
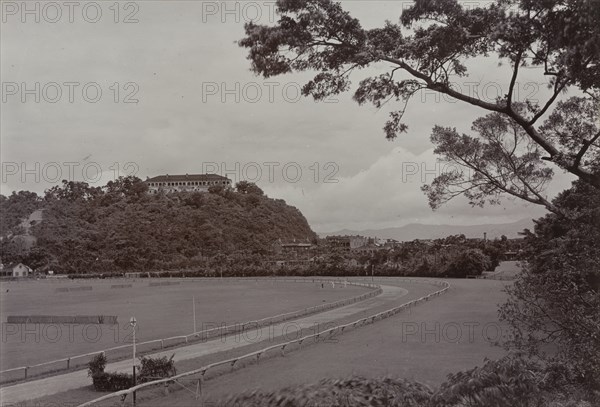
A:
184	62
388	194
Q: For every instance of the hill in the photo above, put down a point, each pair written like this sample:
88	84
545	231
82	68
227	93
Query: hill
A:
121	227
420	231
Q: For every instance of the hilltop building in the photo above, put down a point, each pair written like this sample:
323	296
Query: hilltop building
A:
185	183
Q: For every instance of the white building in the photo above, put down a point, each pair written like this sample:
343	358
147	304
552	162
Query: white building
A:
185	183
17	270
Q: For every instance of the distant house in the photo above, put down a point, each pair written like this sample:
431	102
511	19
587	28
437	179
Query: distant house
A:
16	270
391	243
293	251
510	255
185	183
295	247
346	243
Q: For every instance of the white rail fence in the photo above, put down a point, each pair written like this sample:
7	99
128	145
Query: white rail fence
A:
256	355
77	360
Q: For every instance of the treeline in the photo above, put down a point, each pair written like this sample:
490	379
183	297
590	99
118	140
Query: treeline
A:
122	228
453	256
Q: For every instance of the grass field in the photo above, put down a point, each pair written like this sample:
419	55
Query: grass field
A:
423	345
161	311
453	332
409	345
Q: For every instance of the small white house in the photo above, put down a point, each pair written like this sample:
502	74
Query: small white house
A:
16	270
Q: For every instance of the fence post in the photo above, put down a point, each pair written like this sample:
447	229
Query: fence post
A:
199	390
68	363
26	369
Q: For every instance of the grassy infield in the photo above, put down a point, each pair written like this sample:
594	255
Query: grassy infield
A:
161	312
454	331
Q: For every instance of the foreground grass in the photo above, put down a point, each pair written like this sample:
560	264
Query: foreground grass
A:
421	345
388	347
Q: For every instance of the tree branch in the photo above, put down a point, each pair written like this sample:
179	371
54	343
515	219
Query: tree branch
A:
514	78
584	149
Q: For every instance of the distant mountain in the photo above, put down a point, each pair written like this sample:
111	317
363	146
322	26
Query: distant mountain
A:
420	231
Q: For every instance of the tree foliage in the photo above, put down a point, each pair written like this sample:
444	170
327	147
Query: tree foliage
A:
122	228
430	47
556	299
511	381
15	208
354	391
553	307
245	187
470	262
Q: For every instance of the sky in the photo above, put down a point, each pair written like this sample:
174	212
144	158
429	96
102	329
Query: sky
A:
96	90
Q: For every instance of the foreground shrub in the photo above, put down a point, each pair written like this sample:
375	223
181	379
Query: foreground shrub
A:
104	381
511	381
150	369
156	368
112	381
97	365
356	391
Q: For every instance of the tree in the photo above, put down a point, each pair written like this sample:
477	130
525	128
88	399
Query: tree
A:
73	191
245	187
560	37
502	159
467	263
510	148
129	186
556	300
15	208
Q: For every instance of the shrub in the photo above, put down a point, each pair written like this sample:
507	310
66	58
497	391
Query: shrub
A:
103	381
156	368
112	381
97	364
355	391
515	381
510	381
469	262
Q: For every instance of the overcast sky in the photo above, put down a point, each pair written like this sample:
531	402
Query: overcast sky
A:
177	97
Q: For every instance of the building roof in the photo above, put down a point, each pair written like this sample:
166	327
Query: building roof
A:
12	266
187	177
296	244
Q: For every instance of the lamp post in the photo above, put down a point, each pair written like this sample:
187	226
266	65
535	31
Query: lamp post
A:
194	312
133	323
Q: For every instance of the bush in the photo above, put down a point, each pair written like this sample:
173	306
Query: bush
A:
511	381
103	381
355	391
97	364
515	381
468	263
150	369
156	368
112	381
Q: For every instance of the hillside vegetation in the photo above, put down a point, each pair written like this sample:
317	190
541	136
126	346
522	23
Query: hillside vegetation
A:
120	227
